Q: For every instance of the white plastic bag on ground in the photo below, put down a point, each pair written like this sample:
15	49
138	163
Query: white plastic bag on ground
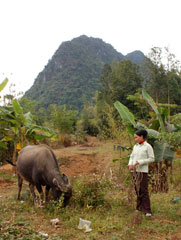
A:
43	234
84	224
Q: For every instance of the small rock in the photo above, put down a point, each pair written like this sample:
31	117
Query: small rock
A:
54	221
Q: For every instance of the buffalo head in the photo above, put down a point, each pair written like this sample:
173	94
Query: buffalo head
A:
62	185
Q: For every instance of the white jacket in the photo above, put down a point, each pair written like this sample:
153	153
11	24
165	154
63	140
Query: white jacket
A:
143	154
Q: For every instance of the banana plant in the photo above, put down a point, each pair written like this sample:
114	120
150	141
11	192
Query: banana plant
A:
2	131
20	128
162	145
162	149
24	126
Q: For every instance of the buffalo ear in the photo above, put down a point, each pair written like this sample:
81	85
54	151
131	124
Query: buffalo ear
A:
55	182
65	178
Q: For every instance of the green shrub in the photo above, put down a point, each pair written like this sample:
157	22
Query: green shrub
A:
54	207
6	154
90	193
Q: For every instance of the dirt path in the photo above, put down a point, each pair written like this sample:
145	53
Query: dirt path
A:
89	158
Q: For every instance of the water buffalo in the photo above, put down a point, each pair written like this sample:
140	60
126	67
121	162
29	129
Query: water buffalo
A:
38	165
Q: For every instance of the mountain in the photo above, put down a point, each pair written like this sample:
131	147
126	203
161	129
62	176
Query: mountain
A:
74	71
136	57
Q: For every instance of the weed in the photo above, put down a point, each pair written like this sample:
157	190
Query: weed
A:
25	195
53	207
90	193
18	231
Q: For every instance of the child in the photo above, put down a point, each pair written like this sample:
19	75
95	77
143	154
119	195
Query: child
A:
141	156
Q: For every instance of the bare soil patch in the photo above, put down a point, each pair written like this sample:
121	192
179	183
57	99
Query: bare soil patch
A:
7	168
89	158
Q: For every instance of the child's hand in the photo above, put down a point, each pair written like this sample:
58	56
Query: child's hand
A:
130	167
136	163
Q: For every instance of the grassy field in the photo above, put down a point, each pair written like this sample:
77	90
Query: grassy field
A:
109	203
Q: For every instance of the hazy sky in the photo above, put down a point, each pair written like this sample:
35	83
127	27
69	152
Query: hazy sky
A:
32	30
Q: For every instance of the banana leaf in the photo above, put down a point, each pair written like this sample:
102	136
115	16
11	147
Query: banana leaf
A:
154	125
151	102
14	130
124	112
28	118
168	154
158	148
3	84
16	106
152	133
7	139
171	127
3	145
131	129
162	151
6	112
39	133
140	125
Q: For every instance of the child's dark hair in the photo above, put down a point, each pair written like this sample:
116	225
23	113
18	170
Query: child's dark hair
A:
142	132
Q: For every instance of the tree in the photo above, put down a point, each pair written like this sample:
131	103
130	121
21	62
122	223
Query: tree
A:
163	71
28	105
126	79
105	84
62	119
140	104
119	80
88	121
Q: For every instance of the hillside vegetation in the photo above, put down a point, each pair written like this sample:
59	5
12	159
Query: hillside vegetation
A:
74	70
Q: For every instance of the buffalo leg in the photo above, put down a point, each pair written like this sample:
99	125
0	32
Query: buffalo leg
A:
46	193
32	189
20	183
39	188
